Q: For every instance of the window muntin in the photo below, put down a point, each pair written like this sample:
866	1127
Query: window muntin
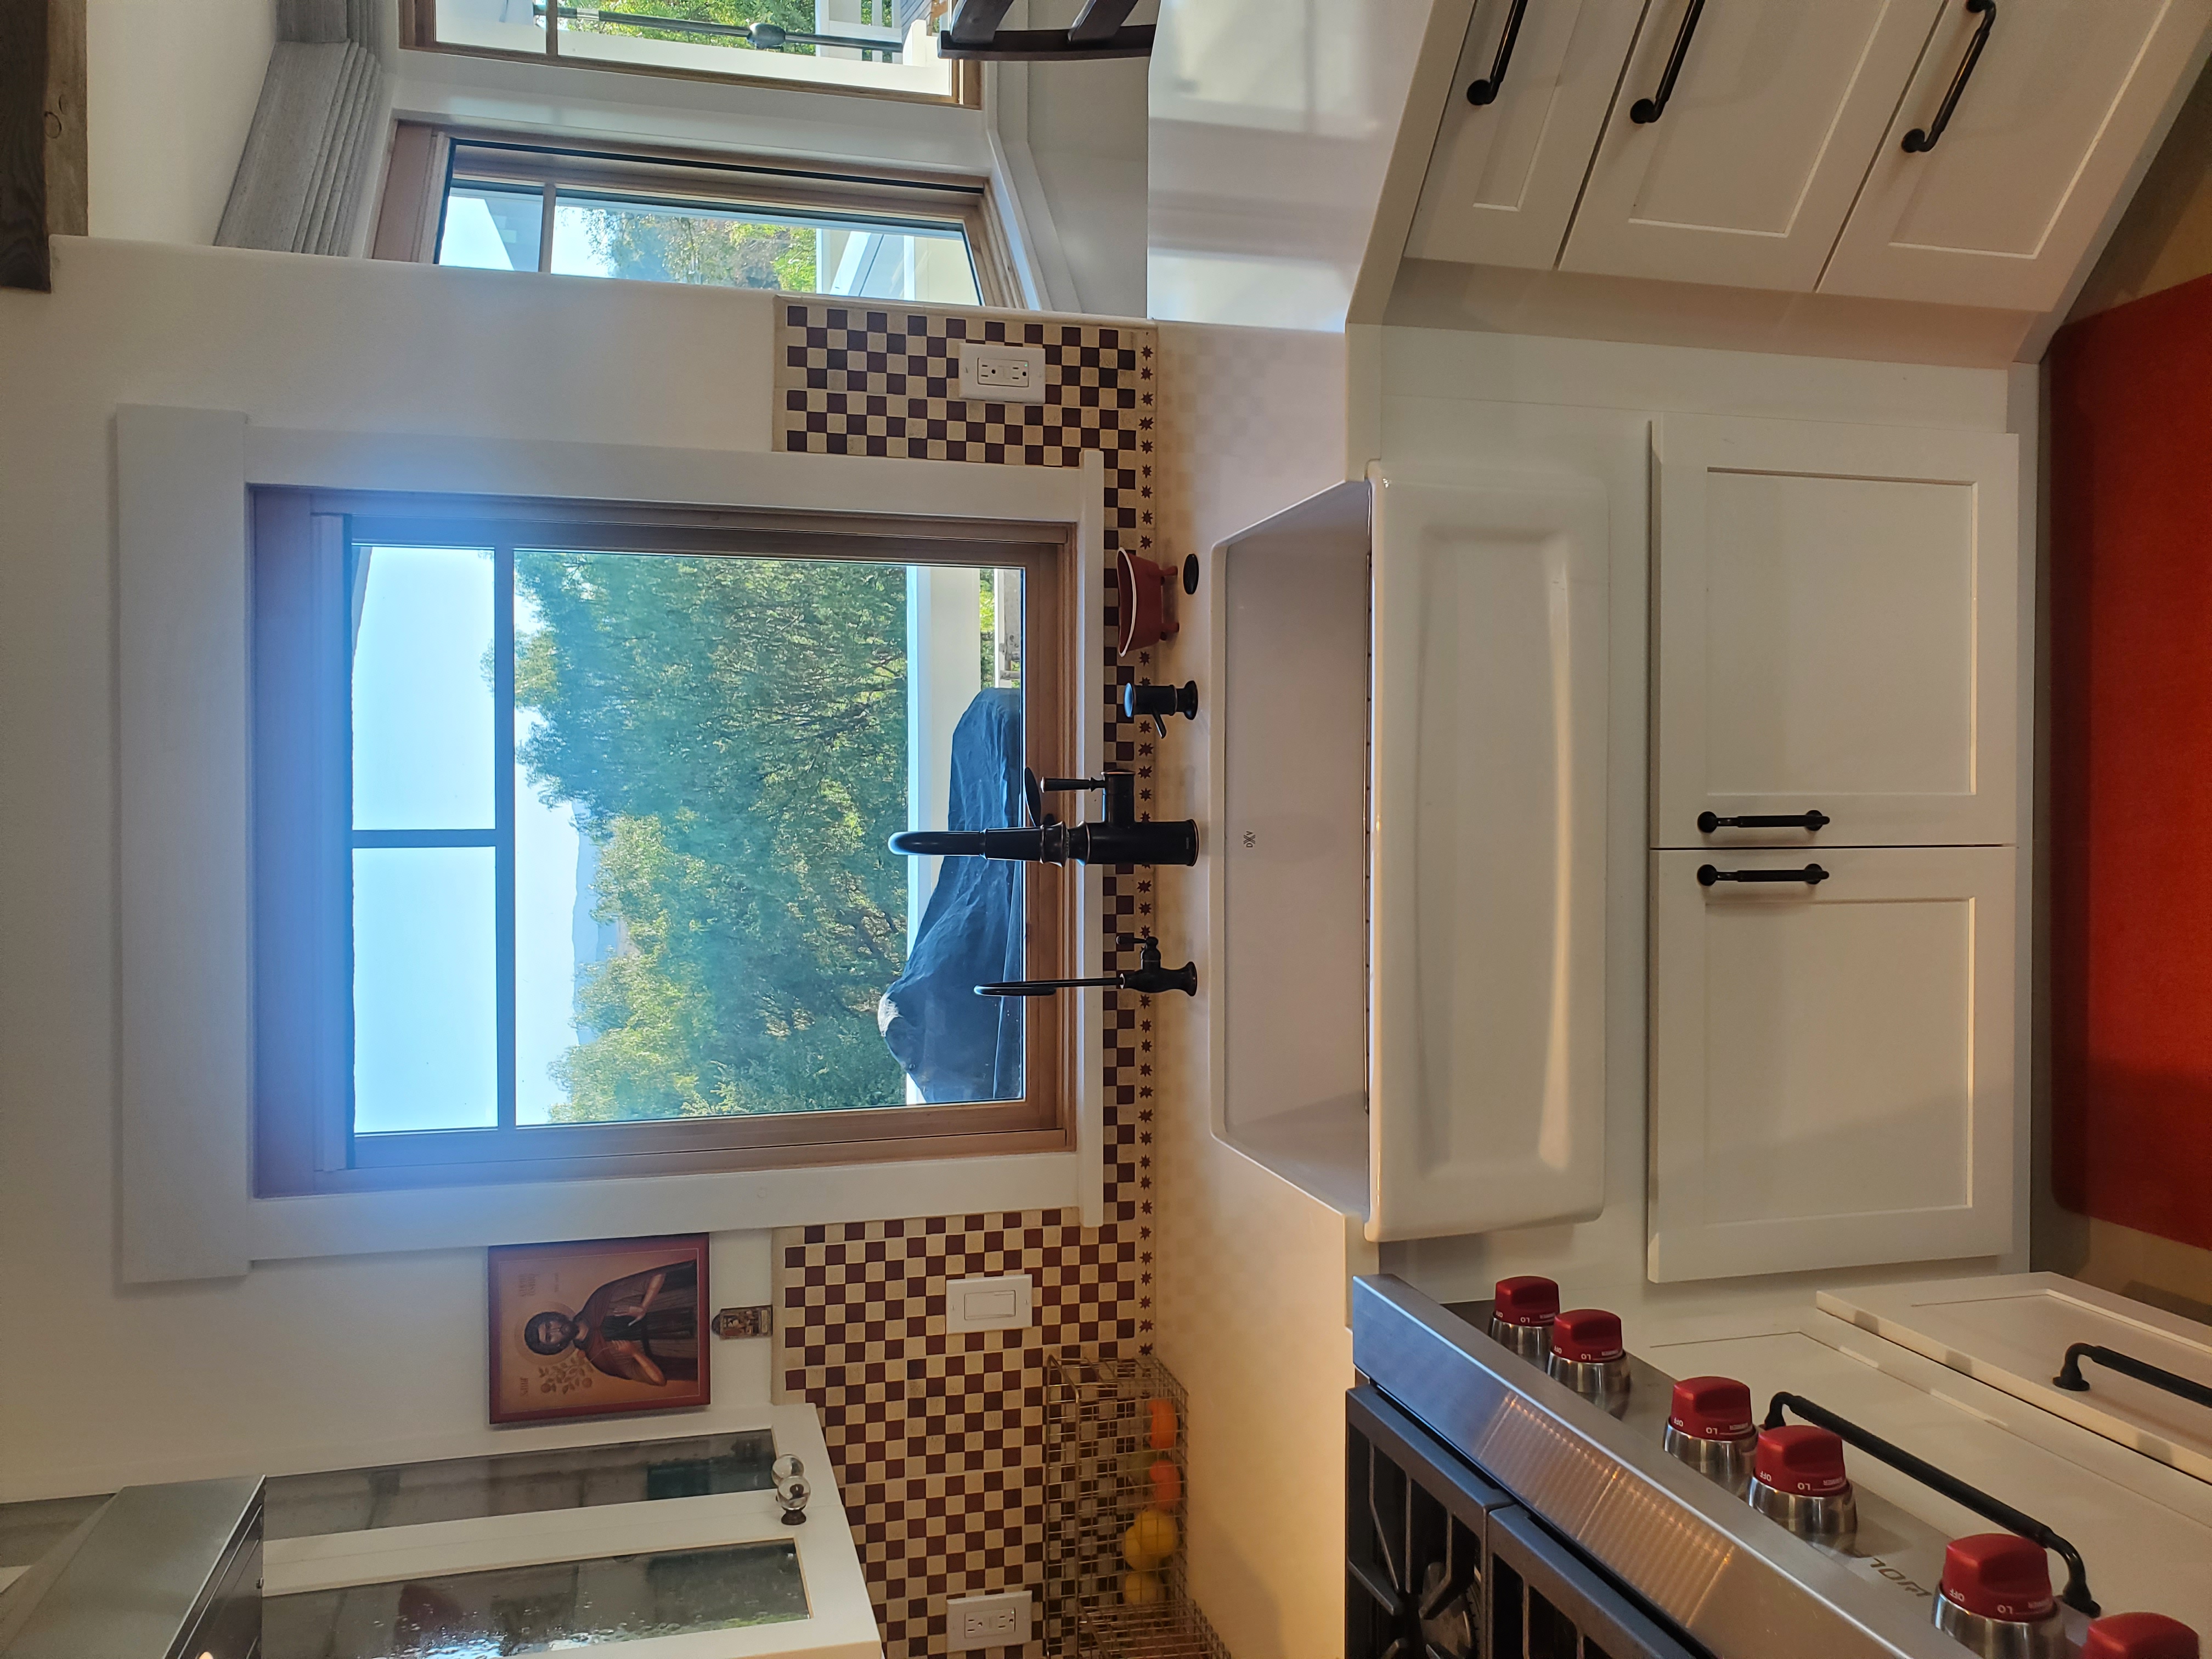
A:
519	208
887	48
460	949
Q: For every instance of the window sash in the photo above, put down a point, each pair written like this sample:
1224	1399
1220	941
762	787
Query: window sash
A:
304	1138
418	31
428	162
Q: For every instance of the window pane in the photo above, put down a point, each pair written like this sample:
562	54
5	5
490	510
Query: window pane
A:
494	25
425	965
422	688
711	753
799	252
490	227
888	45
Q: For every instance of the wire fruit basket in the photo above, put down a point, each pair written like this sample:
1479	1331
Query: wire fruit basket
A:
1114	1474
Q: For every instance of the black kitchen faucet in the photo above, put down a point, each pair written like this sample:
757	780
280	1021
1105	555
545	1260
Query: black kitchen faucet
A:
1117	838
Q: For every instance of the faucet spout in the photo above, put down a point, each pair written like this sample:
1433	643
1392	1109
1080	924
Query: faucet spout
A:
1028	846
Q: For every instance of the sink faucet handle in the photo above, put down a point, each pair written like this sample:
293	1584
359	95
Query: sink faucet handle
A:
1142	700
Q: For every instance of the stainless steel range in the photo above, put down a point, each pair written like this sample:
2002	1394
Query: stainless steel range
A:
1816	1487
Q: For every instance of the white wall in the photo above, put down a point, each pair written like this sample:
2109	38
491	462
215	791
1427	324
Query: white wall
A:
1276	177
313	1363
170	91
1086	134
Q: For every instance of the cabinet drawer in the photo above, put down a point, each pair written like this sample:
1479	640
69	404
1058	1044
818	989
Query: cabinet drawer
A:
1832	1081
1837	623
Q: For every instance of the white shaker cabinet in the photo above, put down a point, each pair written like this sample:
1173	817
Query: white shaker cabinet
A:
1832	1061
1745	174
1836	632
2061	98
1502	179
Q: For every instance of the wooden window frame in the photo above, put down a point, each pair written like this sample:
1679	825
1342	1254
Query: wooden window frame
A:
302	1133
418	31
427	159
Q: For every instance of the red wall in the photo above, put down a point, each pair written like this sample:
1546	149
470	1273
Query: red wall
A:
2131	777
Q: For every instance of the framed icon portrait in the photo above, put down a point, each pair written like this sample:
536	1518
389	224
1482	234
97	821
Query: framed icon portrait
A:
597	1327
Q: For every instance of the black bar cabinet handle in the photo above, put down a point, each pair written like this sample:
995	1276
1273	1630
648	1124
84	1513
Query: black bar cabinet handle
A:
1647	110
1811	875
2076	1594
1815	821
1921	140
1485	90
2070	1378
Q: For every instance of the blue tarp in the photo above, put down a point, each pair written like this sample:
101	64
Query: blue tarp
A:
954	1044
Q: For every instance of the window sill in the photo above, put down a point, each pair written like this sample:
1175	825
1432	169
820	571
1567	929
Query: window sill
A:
428	1219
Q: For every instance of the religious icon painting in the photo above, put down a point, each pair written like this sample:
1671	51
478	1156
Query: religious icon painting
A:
597	1327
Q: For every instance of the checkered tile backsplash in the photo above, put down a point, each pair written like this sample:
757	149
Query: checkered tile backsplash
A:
939	1443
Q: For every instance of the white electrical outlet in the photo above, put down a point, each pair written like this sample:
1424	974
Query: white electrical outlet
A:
987	1621
988	1304
1002	373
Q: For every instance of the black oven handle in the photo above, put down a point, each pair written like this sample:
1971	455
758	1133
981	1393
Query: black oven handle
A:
2076	1593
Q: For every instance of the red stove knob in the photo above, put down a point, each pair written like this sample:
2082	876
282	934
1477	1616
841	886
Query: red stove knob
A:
2140	1636
1586	1336
1526	1301
1711	1408
1801	1460
1999	1575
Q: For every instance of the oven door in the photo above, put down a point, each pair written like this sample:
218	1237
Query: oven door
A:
1441	1564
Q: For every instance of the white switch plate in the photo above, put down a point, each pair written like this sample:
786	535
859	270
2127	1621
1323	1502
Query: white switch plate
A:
987	1621
988	1304
1002	373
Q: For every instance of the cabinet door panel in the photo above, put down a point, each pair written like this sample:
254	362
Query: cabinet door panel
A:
1502	179
1747	176
2064	96
1832	1063
1837	625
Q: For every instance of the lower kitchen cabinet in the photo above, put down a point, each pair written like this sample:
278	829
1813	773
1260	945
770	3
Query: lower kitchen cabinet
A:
1832	1069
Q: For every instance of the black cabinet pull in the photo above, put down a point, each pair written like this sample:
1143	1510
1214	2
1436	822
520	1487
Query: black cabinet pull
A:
1815	821
2070	1378
1921	140
1811	875
2076	1594
1483	91
1647	110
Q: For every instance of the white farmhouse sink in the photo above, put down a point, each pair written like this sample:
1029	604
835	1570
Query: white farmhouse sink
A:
1408	897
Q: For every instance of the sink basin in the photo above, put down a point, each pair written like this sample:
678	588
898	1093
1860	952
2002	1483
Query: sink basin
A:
1408	897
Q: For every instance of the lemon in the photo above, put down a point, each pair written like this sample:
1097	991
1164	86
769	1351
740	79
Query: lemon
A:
1150	1540
1139	1588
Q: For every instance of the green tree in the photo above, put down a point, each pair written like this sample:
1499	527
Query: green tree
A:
705	248
731	733
795	15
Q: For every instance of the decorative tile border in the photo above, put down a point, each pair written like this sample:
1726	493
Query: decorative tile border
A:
940	1443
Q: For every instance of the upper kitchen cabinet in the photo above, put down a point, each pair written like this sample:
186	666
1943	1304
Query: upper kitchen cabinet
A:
1740	137
1836	629
2017	132
1528	103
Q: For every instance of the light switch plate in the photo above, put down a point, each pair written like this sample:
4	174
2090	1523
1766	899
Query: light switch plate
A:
1002	373
988	1304
987	1621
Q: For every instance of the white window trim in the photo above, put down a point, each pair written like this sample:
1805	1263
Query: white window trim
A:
186	1126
